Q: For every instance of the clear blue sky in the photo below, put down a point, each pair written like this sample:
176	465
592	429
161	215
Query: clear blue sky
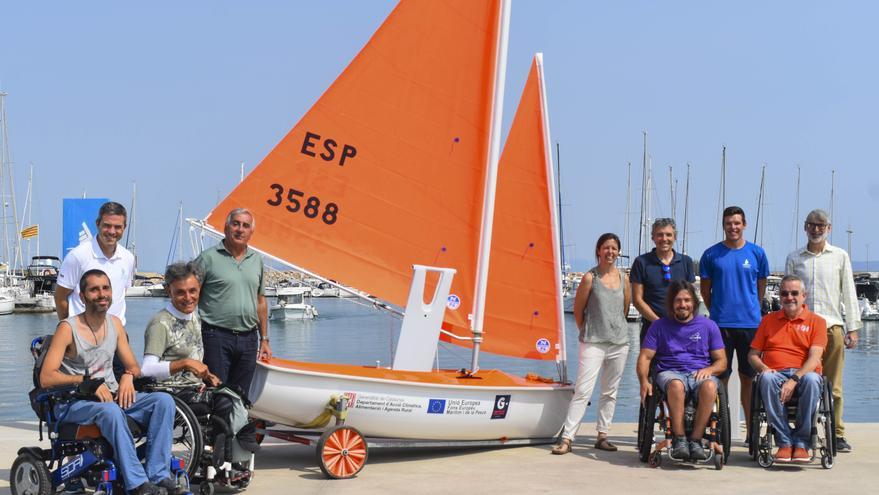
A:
173	95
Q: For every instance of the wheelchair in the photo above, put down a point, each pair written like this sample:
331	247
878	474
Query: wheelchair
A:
78	455
203	440
823	437
655	431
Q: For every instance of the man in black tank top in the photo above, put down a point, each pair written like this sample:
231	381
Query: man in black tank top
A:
77	354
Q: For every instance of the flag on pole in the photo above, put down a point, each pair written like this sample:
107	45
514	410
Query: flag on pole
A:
30	231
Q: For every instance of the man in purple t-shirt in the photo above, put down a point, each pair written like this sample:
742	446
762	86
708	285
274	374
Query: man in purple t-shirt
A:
688	354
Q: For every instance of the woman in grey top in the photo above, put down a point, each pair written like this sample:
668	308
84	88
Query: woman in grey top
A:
600	312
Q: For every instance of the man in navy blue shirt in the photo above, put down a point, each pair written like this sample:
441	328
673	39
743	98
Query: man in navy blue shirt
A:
653	272
733	281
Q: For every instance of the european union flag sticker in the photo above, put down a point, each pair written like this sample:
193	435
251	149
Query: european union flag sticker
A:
436	406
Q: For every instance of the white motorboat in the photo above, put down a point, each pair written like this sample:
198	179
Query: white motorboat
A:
7	304
292	304
869	310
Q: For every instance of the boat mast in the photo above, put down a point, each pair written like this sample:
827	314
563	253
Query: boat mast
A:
558	182
180	233
686	210
797	212
832	189
626	232
757	227
7	179
131	232
561	357
493	157
644	186
671	191
722	203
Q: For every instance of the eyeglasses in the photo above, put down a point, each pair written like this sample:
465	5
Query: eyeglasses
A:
786	293
816	226
666	273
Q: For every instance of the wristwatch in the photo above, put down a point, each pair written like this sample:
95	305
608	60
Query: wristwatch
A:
263	339
795	378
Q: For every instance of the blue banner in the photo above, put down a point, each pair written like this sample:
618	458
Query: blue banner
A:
79	221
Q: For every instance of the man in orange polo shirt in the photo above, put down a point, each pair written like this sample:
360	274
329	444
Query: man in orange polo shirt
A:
787	351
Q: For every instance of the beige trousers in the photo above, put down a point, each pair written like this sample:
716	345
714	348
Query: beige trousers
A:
832	363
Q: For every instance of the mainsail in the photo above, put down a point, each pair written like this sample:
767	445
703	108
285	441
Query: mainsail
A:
388	168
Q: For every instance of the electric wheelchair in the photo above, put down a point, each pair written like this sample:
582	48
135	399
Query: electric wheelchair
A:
655	429
823	435
78	455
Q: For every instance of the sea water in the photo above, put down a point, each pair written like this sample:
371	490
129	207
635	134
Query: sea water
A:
353	333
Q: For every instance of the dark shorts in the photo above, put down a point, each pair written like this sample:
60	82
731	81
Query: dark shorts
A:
738	340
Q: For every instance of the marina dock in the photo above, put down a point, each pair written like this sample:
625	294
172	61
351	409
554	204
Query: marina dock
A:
289	468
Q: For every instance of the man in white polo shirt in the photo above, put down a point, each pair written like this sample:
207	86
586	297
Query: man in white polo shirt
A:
103	252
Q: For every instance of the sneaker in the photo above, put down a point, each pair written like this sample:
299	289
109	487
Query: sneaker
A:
801	455
697	452
842	445
783	454
149	489
73	487
171	487
680	449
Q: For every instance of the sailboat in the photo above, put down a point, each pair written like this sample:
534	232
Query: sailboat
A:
391	184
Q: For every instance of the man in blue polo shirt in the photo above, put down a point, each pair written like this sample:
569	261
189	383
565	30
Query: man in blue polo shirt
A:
652	273
733	281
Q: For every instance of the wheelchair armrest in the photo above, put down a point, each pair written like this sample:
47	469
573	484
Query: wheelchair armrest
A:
57	393
144	383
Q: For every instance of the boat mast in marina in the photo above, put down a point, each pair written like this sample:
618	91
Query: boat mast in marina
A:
758	226
686	211
797	228
626	229
832	202
722	200
11	253
646	184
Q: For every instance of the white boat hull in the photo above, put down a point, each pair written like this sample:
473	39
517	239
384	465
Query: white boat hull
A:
7	305
401	409
292	312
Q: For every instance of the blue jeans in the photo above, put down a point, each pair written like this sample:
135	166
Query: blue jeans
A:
809	392
153	411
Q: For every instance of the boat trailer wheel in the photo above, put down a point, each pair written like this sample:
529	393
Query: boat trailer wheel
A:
341	452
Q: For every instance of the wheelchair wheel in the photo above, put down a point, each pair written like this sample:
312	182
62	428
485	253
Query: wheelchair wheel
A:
829	420
30	476
754	427
719	460
187	442
724	420
647	426
341	452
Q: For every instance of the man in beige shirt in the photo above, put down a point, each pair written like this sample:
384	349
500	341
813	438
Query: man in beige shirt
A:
826	272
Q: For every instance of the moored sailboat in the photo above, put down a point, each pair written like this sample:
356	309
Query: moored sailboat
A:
395	167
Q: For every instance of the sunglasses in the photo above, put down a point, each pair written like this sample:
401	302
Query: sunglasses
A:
786	293
666	273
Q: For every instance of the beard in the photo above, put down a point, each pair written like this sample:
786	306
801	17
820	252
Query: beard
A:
818	238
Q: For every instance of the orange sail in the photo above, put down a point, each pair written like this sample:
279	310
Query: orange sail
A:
387	169
523	314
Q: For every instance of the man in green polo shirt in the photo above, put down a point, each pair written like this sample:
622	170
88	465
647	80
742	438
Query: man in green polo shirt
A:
233	305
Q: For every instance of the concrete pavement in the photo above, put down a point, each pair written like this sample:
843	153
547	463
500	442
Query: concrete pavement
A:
289	468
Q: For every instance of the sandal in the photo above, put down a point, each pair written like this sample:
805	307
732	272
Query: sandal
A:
562	447
603	444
